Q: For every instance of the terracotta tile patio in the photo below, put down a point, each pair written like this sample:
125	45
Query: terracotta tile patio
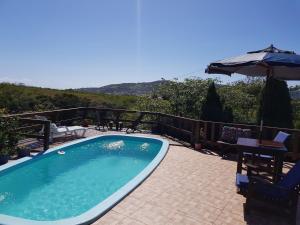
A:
188	187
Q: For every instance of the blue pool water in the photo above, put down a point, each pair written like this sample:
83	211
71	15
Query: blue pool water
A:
55	187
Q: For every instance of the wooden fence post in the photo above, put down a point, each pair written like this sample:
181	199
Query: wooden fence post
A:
161	125
213	131
196	132
117	119
46	134
179	125
157	123
205	130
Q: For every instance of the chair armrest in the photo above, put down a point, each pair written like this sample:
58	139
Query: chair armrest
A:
254	180
257	183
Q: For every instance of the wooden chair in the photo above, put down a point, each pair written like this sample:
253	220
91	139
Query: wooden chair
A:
101	121
260	163
134	125
281	197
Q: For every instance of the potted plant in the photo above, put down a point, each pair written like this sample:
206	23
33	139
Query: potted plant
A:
4	155
8	138
23	151
198	145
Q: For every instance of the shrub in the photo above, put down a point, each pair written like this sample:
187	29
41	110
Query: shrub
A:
8	136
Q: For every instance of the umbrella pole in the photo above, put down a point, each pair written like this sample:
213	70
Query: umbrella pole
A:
260	130
269	74
262	113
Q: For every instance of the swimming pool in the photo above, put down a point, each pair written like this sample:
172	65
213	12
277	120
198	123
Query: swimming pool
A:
80	185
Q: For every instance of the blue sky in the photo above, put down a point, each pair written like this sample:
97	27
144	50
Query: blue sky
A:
80	43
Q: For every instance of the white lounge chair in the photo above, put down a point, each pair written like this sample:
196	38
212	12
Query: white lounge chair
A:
77	130
62	131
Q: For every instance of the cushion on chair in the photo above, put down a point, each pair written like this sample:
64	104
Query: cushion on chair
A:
228	134
281	137
292	178
271	191
231	134
242	181
243	133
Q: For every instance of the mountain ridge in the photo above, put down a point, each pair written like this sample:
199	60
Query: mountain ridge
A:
139	88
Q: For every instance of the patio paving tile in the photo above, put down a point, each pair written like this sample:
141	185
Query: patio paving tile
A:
111	218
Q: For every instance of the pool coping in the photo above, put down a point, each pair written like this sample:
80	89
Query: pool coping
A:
100	209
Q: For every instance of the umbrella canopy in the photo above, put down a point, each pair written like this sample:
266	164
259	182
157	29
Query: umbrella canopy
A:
271	61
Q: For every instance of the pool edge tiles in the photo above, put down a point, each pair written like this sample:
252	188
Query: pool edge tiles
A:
101	208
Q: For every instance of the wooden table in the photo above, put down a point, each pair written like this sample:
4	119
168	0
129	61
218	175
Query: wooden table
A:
266	147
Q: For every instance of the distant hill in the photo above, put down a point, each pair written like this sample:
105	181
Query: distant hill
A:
16	98
143	88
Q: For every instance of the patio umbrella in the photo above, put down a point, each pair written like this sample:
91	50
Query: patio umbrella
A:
268	62
271	61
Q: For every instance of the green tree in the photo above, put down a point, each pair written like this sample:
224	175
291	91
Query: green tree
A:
212	109
185	98
153	104
172	92
243	98
275	104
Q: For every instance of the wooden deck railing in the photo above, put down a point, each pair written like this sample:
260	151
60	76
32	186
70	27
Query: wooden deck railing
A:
185	129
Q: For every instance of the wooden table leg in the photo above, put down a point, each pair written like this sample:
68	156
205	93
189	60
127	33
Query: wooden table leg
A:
277	167
239	161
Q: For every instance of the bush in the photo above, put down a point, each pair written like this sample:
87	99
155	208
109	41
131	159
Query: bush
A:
8	136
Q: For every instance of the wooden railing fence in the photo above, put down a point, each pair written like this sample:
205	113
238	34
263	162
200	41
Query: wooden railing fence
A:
185	129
